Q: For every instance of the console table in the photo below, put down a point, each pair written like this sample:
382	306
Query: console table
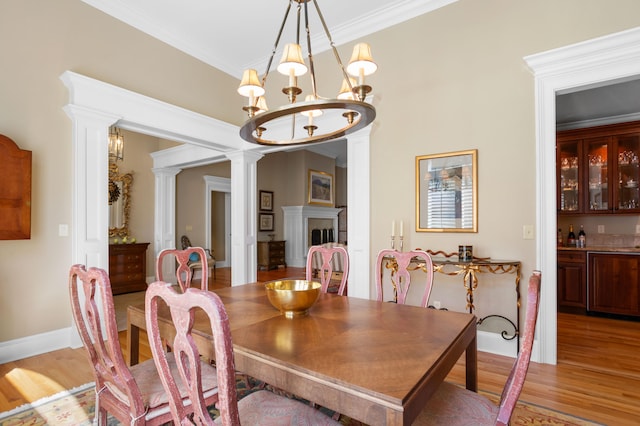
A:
449	264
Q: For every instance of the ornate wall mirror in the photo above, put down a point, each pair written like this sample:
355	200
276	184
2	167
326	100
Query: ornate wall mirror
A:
447	192
119	201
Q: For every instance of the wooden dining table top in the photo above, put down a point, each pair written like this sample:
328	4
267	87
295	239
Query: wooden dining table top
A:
377	362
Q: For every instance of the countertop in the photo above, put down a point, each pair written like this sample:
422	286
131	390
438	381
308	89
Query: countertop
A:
603	249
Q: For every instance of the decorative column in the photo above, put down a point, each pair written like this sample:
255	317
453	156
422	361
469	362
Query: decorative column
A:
359	217
90	236
244	264
164	224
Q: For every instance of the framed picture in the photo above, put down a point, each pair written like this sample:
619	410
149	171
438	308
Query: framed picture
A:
447	192
320	188
265	221
266	200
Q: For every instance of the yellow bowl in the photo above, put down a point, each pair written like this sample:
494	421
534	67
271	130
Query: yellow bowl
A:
293	297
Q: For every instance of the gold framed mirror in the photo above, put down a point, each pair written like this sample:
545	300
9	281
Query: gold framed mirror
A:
447	192
119	201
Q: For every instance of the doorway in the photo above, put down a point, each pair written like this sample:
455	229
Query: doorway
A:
218	218
587	64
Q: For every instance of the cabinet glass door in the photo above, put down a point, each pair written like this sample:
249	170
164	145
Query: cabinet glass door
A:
598	174
569	176
628	149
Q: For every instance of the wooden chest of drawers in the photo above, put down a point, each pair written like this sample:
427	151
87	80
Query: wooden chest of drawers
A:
271	254
128	267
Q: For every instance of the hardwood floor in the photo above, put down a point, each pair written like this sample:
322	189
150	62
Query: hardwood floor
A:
596	378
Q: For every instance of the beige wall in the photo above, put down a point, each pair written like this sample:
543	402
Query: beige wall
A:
39	40
138	162
451	80
190	206
466	86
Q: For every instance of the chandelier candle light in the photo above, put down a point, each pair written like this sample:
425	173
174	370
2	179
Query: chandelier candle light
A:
350	101
393	235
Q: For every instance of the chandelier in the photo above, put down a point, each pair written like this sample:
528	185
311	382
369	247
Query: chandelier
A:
316	119
116	145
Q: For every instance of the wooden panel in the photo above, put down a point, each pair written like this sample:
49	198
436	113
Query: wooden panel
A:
614	283
15	191
271	254
572	281
128	267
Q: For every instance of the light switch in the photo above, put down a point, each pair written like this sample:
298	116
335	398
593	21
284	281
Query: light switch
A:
189	228
527	232
63	230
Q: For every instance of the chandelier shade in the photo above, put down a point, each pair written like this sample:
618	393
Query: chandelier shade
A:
116	145
317	118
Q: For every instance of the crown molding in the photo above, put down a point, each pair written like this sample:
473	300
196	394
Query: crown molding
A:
394	12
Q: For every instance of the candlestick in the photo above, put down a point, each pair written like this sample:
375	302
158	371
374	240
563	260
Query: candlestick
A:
401	243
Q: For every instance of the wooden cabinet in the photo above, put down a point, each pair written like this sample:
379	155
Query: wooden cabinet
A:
598	169
128	267
614	283
271	254
572	282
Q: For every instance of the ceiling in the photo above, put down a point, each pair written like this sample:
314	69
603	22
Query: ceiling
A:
236	35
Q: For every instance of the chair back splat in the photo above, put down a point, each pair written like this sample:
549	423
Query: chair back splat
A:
135	395
453	405
327	259
260	407
399	264
185	270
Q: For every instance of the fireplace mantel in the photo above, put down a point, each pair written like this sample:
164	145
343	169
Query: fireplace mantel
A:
296	230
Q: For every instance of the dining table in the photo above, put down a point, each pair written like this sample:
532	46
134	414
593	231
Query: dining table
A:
376	362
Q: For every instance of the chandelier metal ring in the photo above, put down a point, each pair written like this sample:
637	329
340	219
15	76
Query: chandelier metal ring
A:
365	114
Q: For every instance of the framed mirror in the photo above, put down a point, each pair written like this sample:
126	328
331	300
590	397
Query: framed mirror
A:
447	192
119	201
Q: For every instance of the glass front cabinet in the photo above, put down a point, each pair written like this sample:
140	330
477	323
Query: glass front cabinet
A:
598	169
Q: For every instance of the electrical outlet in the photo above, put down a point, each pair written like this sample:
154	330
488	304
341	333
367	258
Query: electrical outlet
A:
436	304
189	228
600	229
637	229
63	230
527	232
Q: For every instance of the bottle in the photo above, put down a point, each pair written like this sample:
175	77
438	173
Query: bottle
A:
582	238
571	238
560	241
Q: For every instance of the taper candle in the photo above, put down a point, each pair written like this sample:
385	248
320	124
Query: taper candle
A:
402	228
393	228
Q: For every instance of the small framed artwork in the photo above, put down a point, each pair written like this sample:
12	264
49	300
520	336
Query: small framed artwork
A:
266	200
265	221
320	188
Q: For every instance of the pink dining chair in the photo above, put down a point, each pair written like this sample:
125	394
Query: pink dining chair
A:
260	407
134	395
184	270
453	405
332	258
398	262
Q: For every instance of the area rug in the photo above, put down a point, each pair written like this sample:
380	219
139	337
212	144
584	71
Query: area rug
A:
77	407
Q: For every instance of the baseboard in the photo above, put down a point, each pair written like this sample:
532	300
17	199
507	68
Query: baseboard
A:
495	344
35	345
